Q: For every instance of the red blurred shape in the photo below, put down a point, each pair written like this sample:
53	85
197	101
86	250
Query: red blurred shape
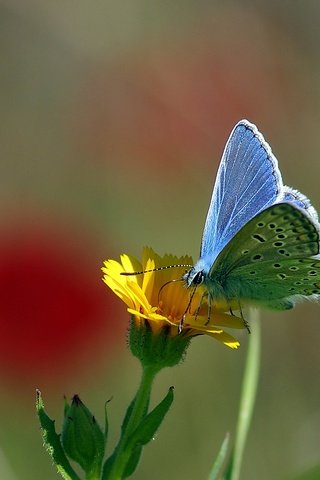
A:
55	312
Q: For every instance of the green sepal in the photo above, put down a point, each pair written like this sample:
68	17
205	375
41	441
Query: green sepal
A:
157	350
52	442
220	461
82	438
146	431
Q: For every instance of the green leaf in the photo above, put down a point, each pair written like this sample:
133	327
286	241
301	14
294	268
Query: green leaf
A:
129	412
106	421
133	461
150	423
124	453
52	442
220	460
108	464
141	435
127	416
228	470
66	407
111	459
146	431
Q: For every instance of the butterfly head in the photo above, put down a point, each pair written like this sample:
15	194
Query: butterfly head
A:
194	277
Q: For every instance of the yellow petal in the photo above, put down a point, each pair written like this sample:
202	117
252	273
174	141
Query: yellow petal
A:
225	338
148	279
227	320
120	290
139	296
149	316
131	265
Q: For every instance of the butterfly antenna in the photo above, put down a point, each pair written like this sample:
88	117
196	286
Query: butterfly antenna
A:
157	269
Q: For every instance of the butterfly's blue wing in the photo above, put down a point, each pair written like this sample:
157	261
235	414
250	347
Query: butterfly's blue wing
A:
299	200
261	239
248	181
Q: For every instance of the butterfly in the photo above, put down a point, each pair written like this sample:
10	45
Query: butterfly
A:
260	244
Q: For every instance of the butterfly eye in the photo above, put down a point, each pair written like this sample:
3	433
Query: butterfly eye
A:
198	278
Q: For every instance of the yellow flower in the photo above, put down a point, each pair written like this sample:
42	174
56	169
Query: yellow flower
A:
161	299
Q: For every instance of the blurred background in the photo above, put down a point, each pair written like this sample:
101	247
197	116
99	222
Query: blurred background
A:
113	119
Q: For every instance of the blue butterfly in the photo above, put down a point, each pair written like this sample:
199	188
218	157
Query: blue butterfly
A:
260	244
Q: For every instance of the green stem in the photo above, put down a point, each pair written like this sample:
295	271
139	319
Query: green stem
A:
139	411
248	394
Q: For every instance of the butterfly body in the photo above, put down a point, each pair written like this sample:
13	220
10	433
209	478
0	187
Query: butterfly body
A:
260	244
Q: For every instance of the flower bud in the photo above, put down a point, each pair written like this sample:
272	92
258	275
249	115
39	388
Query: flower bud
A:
82	438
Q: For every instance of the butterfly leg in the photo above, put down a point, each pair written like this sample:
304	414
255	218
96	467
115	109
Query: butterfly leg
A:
181	323
180	326
209	309
245	323
188	309
200	305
